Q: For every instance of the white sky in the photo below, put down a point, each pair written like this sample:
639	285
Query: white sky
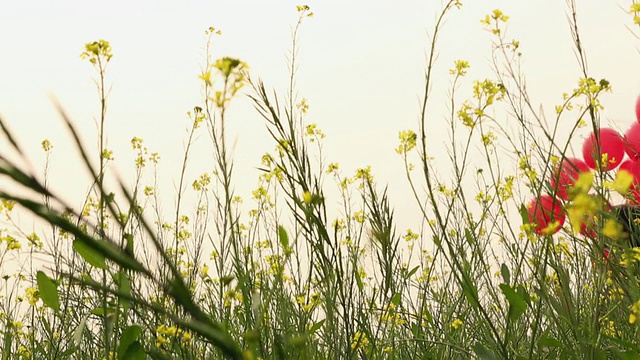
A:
361	69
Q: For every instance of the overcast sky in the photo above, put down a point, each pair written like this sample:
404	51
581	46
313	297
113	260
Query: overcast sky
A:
361	67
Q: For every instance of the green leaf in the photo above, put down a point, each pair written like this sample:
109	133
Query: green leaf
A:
358	280
8	340
436	241
470	290
395	300
483	353
524	214
48	291
523	294
599	355
298	341
315	327
100	311
22	178
135	351
469	236
413	271
284	238
158	355
181	294
124	288
106	248
226	279
252	336
627	355
546	341
634	348
517	305
68	352
89	254
506	276
129	337
89	280
129	244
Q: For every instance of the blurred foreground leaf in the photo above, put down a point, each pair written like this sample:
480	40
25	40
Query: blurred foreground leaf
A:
48	291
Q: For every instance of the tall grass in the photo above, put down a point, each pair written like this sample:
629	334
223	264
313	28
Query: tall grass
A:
288	279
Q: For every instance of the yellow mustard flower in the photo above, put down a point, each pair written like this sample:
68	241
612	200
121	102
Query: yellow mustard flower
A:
621	183
456	323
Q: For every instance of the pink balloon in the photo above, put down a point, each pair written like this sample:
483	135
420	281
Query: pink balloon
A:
566	175
633	167
638	108
611	143
544	210
632	141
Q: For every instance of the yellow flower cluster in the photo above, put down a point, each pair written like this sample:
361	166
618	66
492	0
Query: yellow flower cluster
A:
310	304
407	141
359	340
630	258
12	243
165	333
635	313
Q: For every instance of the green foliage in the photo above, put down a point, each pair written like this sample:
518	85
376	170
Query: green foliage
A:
48	291
91	256
293	278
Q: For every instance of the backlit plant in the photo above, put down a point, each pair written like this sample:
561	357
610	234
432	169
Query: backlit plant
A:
539	261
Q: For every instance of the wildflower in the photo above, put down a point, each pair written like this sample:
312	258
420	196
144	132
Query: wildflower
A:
32	295
165	330
613	229
34	240
186	336
456	323
583	184
333	167
359	340
24	352
161	340
407	141
204	271
635	312
566	174
622	182
547	214
460	69
584	207
12	243
46	145
307	197
630	258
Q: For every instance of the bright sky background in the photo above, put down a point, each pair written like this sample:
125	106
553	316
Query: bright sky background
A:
361	66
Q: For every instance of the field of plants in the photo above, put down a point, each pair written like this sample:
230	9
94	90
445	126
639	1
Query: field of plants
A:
538	262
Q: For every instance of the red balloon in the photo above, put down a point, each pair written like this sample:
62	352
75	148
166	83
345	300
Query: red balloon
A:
610	143
633	167
632	141
566	175
543	211
588	231
638	108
